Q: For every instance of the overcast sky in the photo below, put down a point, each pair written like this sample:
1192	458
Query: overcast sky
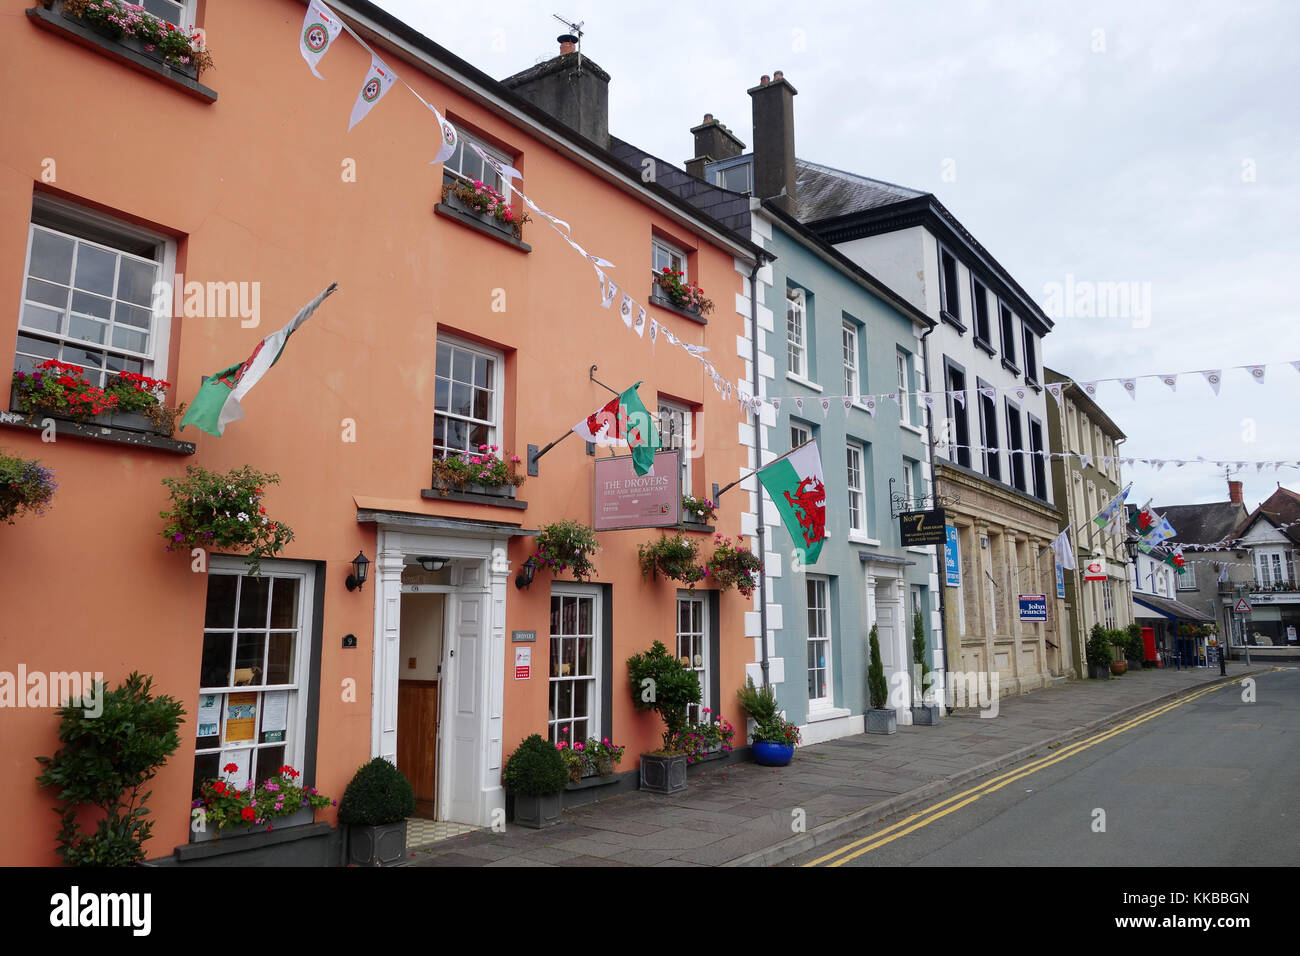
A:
1148	143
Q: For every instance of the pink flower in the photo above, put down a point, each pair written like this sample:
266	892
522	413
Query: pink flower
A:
482	447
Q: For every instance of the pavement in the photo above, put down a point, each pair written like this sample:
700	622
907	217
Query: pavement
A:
747	815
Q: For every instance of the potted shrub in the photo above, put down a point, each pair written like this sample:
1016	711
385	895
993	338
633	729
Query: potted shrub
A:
660	682
698	511
280	801
1118	641
484	473
481	201
733	565
774	737
1134	650
223	511
24	487
567	546
535	774
1097	652
924	711
674	558
687	296
113	744
880	720
374	808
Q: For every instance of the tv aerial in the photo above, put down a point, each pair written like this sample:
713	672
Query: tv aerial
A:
576	30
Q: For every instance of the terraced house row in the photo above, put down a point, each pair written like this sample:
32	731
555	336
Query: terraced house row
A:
411	617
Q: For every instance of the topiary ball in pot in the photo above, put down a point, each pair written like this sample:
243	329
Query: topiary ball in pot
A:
378	794
535	769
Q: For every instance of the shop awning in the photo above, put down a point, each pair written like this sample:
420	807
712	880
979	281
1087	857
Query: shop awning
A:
1146	605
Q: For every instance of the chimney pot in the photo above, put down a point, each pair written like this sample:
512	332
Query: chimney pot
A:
1234	492
778	75
764	80
568	43
708	117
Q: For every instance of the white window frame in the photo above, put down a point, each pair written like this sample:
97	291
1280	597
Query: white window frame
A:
699	651
849	348
1187	580
299	689
453	165
799	434
820	588
553	720
670	252
902	363
796	331
1108	602
154	362
909	482
857	494
668	410
187	7
497	365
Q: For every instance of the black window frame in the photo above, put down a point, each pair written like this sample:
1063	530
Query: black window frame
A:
979	294
1039	461
1015	446
1029	357
949	290
957	414
989	432
1007	325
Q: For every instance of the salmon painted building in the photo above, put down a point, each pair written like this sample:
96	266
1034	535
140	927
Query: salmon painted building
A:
448	331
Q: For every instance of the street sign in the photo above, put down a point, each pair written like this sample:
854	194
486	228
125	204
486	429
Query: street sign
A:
922	528
1033	607
1243	606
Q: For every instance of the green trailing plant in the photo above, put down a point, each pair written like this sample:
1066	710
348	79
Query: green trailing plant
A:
1097	650
733	565
877	689
660	682
176	46
683	294
761	706
486	467
223	512
482	198
918	651
567	546
226	805
377	794
105	761
590	757
676	558
535	769
25	487
699	509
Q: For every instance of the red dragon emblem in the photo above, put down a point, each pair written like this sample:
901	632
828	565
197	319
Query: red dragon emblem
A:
239	373
809	502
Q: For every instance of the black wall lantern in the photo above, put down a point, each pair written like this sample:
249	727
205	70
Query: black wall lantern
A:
525	575
360	571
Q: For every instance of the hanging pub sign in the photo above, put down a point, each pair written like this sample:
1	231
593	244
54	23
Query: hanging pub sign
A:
624	499
923	528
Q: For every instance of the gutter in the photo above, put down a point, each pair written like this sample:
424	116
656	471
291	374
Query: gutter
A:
934	484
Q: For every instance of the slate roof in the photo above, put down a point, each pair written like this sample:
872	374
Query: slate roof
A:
825	192
727	207
1203	524
1281	507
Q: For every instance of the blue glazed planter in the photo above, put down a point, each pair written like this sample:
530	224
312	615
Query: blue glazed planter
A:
770	754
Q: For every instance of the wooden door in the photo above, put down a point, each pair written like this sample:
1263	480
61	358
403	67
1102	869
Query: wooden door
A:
417	741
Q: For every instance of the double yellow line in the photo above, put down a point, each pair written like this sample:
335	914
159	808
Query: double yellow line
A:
954	803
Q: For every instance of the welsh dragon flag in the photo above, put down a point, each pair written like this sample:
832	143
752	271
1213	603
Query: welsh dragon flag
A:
623	420
795	484
217	403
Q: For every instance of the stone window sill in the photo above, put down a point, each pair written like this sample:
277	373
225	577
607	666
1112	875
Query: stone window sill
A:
663	302
469	497
915	429
124	51
806	383
827	713
100	433
473	221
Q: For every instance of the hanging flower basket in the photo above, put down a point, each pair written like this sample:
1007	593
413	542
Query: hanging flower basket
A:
223	512
733	565
675	558
567	546
24	487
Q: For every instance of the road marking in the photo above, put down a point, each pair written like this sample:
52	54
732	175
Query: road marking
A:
965	798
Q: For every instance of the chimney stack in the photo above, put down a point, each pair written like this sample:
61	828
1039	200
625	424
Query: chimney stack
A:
773	103
578	99
713	142
1234	492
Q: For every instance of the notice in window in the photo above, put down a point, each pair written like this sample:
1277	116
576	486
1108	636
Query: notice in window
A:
240	758
275	712
209	719
241	717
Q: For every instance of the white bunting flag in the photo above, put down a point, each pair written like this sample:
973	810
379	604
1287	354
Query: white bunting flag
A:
1296	366
1256	372
893	397
1171	381
928	398
776	404
625	310
1214	377
726	392
447	140
742	399
611	290
696	350
1090	388
379	80
668	334
1055	389
596	259
320	28
1020	392
1085	461
1259	466
798	404
506	172
639	323
989	392
654	332
826	406
1130	386
870	404
1158	462
959	397
848	403
1105	461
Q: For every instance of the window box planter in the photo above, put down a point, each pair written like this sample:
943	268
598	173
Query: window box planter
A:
457	208
383	845
537	813
768	753
659	299
586	783
304	816
882	722
663	774
134	44
446	488
926	715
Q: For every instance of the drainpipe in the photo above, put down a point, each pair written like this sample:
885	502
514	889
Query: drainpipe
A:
758	463
934	485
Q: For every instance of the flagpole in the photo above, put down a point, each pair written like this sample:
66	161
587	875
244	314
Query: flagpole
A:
718	493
